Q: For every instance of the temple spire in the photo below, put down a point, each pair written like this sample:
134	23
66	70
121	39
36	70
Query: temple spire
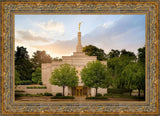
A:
79	47
79	26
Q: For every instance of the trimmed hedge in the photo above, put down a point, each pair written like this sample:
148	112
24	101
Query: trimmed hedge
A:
47	94
100	97
23	82
117	91
58	94
40	83
19	95
62	97
34	87
29	95
99	94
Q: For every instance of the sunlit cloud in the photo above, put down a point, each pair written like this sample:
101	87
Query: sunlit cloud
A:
52	26
122	33
29	36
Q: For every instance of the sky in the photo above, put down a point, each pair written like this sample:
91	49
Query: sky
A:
57	34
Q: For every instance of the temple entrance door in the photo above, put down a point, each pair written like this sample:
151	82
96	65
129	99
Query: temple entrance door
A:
79	91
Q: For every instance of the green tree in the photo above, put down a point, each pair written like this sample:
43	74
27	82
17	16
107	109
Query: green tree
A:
141	61
129	77
21	53
40	57
133	75
127	53
23	64
91	50
95	75
140	78
141	55
113	53
17	77
116	63
65	75
36	76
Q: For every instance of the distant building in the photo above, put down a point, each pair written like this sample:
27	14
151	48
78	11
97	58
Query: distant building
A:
78	60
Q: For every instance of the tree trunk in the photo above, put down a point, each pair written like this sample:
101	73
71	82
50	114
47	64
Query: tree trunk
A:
72	91
63	90
144	93
130	92
96	91
139	94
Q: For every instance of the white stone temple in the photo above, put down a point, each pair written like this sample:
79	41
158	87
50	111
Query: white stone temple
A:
78	60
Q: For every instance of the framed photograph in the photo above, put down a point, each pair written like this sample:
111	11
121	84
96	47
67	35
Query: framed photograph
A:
79	57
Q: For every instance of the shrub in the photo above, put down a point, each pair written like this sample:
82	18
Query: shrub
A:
24	82
34	87
19	90
117	90
99	94
58	94
108	94
19	95
48	94
34	95
40	83
62	97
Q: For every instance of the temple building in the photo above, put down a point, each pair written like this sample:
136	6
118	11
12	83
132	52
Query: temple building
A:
78	60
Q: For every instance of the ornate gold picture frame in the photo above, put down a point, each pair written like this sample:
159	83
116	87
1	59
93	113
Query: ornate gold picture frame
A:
10	9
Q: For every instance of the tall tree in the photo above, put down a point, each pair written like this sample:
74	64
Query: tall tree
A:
141	61
17	77
40	57
65	75
95	75
134	76
128	54
36	76
91	50
141	55
114	53
130	75
140	80
22	63
116	63
21	53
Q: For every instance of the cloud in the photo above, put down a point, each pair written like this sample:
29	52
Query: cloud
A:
52	26
124	33
59	48
29	36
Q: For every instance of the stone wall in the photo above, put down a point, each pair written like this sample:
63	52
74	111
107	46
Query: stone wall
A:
31	91
100	90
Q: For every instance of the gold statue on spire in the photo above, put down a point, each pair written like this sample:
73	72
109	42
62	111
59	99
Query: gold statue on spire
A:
79	25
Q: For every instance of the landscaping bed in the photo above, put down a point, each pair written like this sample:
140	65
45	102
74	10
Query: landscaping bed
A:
122	96
33	95
98	97
62	97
